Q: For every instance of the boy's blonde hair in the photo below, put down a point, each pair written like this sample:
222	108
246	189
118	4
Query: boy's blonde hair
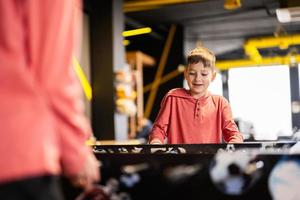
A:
202	54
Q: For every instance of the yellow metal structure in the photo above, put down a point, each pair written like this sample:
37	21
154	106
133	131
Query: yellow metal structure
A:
159	72
164	79
278	60
252	52
232	4
255	59
141	5
138	31
126	42
283	42
82	78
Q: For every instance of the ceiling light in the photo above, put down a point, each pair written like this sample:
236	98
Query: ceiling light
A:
138	31
285	15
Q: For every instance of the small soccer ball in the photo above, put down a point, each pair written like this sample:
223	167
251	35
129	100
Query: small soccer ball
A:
234	172
284	179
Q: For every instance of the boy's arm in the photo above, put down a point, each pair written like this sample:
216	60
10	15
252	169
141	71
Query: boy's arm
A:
230	130
158	132
160	126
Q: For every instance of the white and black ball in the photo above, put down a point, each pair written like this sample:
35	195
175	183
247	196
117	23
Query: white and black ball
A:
234	172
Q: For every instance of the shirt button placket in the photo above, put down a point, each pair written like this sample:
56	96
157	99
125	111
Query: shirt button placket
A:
197	109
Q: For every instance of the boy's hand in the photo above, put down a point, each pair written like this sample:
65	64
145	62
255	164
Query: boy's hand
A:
155	141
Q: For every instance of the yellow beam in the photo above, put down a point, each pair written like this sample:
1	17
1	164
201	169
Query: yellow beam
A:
138	5
252	52
82	78
164	79
232	4
282	42
128	9
126	42
161	67
277	60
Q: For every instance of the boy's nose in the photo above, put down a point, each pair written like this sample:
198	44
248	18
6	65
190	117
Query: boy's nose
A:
198	78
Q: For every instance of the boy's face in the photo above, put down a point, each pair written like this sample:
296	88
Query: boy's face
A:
198	78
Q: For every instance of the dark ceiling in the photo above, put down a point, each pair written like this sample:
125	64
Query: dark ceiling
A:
208	22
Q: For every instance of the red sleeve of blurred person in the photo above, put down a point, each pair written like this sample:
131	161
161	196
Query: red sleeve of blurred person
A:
41	118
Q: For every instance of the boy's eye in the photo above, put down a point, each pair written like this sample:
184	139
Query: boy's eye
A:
192	73
204	74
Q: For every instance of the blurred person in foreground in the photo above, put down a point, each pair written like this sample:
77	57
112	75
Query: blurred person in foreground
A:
43	128
195	115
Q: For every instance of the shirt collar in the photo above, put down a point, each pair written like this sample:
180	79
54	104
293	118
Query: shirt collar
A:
184	93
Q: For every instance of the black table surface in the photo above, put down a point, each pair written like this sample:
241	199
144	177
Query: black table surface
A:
159	159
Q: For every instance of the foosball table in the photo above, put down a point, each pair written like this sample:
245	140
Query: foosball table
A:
192	171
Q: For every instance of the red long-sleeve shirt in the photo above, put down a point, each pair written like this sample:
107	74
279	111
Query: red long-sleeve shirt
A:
43	128
183	119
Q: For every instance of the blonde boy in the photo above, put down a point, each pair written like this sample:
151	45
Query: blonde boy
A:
195	115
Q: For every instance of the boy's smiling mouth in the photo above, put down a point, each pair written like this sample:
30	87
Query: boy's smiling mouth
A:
197	84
